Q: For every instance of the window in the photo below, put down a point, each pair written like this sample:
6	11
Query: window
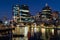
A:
15	14
44	16
16	8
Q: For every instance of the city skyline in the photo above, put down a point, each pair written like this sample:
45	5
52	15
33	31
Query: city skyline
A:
34	6
29	19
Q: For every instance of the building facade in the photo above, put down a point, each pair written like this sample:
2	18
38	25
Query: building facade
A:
16	11
46	13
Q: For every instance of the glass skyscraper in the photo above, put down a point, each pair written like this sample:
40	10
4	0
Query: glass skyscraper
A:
16	11
25	15
21	13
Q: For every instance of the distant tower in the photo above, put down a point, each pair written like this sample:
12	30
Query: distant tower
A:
38	17
55	17
16	11
25	15
46	13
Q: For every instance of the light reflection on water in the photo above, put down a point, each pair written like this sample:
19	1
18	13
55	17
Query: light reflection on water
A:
44	35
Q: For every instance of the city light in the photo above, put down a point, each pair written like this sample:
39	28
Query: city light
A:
44	25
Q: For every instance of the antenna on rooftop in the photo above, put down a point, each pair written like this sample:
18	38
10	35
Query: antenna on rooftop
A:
46	4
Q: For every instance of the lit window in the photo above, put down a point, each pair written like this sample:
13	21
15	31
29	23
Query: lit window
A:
43	15
16	8
24	10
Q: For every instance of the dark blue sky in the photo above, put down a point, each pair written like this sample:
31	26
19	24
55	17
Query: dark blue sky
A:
34	6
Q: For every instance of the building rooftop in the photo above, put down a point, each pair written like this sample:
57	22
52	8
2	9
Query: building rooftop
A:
46	7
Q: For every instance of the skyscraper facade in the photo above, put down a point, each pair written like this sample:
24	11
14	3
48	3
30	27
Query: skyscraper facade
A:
46	13
25	15
16	11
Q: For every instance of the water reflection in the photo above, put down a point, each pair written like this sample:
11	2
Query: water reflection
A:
37	33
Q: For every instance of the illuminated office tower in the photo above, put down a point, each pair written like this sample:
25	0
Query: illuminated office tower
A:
16	11
25	16
46	13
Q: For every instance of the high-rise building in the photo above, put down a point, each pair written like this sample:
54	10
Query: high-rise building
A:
21	14
55	17
38	18
46	13
16	11
25	15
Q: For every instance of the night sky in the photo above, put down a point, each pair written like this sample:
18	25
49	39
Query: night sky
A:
34	6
